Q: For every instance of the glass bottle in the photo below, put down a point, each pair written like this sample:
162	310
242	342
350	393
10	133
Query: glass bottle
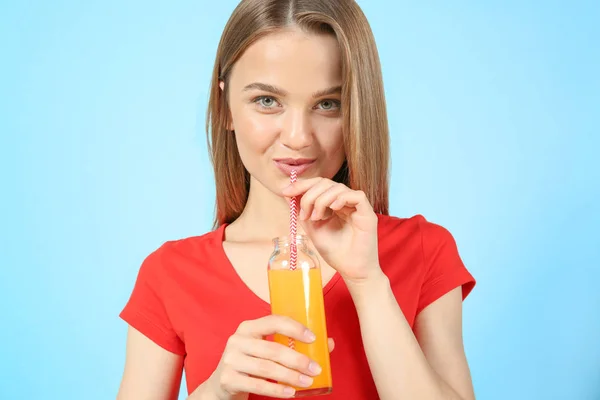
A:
296	291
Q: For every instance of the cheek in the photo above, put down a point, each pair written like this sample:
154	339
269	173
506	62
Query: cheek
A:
254	132
330	136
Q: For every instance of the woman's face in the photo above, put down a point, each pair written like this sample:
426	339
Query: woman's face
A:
285	98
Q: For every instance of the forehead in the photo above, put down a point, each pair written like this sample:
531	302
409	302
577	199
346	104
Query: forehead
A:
291	59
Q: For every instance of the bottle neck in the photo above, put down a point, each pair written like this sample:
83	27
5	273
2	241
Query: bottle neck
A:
285	242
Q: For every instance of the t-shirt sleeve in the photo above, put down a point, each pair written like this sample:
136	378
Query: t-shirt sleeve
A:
146	311
444	268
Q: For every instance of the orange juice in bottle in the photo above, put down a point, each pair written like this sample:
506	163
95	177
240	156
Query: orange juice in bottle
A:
296	291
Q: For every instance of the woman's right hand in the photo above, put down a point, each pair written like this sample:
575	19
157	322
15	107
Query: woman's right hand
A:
249	360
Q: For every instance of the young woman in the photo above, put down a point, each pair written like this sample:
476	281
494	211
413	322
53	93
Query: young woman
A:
297	85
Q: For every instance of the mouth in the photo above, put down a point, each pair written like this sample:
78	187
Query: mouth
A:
287	165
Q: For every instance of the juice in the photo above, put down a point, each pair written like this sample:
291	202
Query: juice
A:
298	294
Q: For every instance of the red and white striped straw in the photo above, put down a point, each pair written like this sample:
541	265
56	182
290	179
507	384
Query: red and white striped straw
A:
293	231
293	225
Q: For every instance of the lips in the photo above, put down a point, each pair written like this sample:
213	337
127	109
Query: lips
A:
287	165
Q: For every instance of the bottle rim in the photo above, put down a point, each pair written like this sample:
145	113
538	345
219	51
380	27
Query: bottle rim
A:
287	239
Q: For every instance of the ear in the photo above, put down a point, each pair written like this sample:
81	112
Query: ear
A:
229	118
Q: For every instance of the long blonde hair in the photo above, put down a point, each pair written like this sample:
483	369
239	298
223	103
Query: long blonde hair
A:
365	125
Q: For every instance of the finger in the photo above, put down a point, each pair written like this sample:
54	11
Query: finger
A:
235	382
325	199
330	344
272	324
308	199
353	198
280	354
267	369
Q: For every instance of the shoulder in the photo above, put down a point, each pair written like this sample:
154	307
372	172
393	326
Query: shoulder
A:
416	244
423	252
169	276
416	227
182	247
176	254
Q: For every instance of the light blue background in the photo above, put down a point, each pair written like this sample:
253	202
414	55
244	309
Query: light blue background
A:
494	117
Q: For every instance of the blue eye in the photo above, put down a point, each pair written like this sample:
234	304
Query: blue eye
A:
265	101
329	105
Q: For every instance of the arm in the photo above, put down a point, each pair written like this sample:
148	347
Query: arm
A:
429	364
151	372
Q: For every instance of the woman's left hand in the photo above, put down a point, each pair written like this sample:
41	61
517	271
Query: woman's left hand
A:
341	225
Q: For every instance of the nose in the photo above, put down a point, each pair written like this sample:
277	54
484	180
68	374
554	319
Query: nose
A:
296	132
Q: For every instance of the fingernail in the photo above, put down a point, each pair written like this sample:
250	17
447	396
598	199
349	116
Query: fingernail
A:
314	367
313	215
288	391
310	336
306	380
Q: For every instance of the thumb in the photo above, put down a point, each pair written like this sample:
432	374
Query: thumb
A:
331	344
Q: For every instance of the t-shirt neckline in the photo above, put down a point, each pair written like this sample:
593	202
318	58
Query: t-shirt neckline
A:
238	281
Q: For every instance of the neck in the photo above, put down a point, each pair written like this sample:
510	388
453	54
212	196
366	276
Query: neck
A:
265	216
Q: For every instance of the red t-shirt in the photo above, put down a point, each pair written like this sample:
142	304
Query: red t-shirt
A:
189	299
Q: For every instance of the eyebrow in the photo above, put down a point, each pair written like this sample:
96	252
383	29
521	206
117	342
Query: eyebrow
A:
280	92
